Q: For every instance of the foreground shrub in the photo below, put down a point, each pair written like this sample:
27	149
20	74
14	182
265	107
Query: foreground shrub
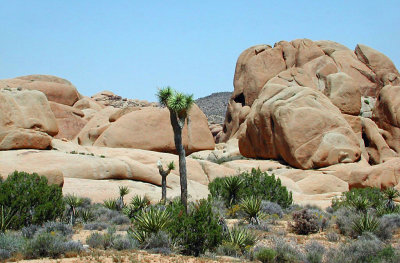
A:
365	223
360	198
240	238
10	243
265	255
50	245
30	195
159	242
388	225
196	231
96	226
315	252
305	222
255	183
344	221
109	240
252	207
271	208
287	251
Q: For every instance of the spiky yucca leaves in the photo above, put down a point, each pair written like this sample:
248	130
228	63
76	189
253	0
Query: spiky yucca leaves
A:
73	202
252	207
232	186
150	221
136	205
163	95
240	238
86	215
7	215
360	203
365	223
123	190
110	204
390	194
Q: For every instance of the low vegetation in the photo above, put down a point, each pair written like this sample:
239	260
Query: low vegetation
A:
250	217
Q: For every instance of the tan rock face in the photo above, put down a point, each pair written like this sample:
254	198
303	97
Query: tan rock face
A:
69	120
56	89
87	103
387	115
26	120
150	129
299	125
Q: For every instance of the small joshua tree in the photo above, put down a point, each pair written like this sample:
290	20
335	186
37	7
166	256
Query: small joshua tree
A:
123	190
178	105
73	202
164	174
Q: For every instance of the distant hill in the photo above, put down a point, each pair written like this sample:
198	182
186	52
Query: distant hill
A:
214	106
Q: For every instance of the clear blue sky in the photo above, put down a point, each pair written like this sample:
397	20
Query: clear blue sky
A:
133	47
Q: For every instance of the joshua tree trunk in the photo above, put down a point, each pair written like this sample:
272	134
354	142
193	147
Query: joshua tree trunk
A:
177	126
164	186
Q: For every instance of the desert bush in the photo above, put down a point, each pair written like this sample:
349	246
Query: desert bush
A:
152	220
228	249
7	216
159	242
50	245
305	222
86	215
366	248
29	231
256	183
240	238
271	208
252	207
95	240
4	254
136	204
287	251
103	214
125	243
96	226
104	241
111	204
388	224
265	255
344	220
59	227
120	220
11	243
196	231
314	252
360	198
262	226
332	237
30	195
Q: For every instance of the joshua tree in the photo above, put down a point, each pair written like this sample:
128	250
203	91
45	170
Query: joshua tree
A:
123	190
164	174
178	105
73	202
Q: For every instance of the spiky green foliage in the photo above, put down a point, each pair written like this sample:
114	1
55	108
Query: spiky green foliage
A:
365	223
123	190
358	195
233	186
252	207
171	166
73	202
241	238
7	215
86	215
110	204
30	195
390	194
151	220
136	205
163	95
360	204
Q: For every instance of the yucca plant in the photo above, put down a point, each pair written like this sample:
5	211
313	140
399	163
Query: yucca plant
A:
390	194
241	238
73	202
365	223
232	187
179	106
86	215
7	215
123	190
360	203
149	221
110	204
252	207
164	174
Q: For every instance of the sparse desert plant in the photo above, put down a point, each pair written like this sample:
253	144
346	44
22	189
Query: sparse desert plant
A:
86	215
344	220
7	215
124	243
360	203
332	236
59	227
241	237
390	194
374	198
120	220
232	187
315	252
104	241
305	222
159	242
136	205
271	208
123	190
30	195
73	203
96	226
110	204
287	251
388	225
365	223
179	106
164	174
265	255
152	220
251	206
228	249
11	243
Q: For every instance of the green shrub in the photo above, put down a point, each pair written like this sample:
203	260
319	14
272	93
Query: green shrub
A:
265	255
11	243
315	252
110	204
252	207
241	238
196	231
229	249
255	183
360	198
103	241
35	200
365	223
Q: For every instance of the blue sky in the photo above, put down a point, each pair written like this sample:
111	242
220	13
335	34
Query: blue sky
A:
133	47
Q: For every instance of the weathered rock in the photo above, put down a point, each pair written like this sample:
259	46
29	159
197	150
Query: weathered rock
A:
383	67
121	112
150	129
69	120
26	120
387	115
344	93
56	89
299	125
87	103
322	183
